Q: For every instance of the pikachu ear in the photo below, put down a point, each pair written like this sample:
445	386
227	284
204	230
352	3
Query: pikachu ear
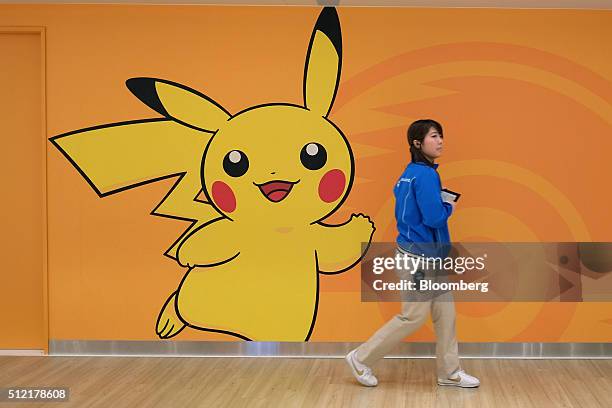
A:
323	63
179	103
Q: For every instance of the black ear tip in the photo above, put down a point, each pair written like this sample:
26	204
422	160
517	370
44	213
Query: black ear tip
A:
139	85
144	89
329	12
329	24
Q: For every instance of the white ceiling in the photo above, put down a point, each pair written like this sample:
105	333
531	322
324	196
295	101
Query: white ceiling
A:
565	4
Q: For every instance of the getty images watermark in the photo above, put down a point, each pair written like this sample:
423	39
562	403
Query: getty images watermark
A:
429	271
488	272
403	264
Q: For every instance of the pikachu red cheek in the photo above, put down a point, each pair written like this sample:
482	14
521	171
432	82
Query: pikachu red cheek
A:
332	185
223	196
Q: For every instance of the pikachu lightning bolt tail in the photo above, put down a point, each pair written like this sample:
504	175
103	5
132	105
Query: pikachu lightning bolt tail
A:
120	156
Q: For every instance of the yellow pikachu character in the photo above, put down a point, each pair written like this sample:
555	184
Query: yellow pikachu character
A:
270	175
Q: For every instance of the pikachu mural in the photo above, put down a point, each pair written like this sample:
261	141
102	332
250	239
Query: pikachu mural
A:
257	186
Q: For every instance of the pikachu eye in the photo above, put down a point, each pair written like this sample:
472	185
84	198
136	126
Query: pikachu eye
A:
235	163
313	156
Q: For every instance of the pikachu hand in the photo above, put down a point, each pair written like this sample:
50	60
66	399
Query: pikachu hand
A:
363	226
340	247
185	260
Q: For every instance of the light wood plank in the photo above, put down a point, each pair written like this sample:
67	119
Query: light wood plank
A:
292	382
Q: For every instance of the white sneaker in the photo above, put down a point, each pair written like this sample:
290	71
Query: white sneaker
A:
362	373
460	379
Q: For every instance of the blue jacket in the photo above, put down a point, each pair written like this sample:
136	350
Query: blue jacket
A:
420	213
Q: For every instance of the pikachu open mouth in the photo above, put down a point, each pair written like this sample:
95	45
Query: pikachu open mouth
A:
276	190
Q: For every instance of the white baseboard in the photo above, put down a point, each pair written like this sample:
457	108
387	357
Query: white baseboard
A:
21	352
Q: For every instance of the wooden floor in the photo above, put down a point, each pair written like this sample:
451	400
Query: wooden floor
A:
283	382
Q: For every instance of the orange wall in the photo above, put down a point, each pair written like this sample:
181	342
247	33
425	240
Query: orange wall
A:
525	97
22	220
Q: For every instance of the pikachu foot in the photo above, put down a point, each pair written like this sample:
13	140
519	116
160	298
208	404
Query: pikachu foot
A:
168	322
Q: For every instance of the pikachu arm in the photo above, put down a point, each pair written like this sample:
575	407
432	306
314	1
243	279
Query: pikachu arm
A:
211	244
339	247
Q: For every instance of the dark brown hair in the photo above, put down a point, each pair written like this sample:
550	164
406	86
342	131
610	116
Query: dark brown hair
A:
417	131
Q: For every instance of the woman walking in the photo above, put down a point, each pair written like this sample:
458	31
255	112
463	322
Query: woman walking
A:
421	218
